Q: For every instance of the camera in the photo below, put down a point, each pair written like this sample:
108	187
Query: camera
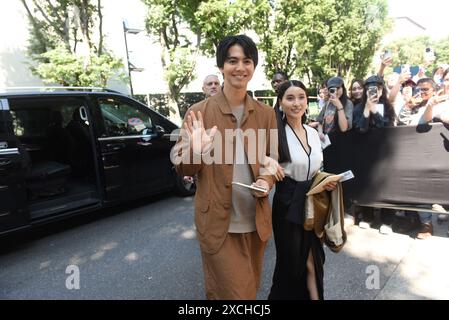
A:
333	90
372	92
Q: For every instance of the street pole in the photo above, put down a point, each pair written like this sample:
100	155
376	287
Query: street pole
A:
127	59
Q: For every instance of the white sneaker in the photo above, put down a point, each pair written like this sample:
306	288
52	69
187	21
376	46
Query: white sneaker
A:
385	229
364	225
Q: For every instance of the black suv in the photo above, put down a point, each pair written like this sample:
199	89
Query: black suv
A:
70	151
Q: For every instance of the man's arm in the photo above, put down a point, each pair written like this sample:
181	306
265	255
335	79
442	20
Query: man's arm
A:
266	173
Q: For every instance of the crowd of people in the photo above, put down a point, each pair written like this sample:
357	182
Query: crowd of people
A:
235	221
403	99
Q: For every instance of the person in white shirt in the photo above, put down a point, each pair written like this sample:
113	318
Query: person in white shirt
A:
298	272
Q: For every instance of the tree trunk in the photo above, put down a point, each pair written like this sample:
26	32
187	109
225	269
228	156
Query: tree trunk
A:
173	107
100	28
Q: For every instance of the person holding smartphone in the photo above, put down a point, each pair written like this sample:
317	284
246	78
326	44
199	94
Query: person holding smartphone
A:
336	115
374	111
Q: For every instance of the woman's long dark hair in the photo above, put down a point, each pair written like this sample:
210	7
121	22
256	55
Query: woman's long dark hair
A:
284	153
388	107
344	97
362	84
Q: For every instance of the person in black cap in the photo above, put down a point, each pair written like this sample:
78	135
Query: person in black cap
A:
374	111
336	115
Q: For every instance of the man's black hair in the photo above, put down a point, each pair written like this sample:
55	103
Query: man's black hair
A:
248	45
282	73
429	81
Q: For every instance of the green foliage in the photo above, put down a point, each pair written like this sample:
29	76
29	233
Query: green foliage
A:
320	38
58	31
179	72
441	49
62	67
218	18
65	68
411	51
172	22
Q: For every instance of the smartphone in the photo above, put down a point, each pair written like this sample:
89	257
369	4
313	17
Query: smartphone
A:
372	92
387	54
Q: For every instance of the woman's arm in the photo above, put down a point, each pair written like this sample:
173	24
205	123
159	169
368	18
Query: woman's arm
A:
397	87
342	120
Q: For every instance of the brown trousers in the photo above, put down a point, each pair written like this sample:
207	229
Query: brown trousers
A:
234	272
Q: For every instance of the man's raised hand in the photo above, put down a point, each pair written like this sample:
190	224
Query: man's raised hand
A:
200	140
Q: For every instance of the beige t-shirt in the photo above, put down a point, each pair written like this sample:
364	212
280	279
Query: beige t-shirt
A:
243	214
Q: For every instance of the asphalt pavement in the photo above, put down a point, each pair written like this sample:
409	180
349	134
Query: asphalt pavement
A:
147	250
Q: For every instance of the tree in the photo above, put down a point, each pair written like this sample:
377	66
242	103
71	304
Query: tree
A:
441	49
321	38
216	19
411	50
63	45
187	28
168	21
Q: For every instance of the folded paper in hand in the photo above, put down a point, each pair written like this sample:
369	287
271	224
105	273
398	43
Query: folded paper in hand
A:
347	175
380	109
326	142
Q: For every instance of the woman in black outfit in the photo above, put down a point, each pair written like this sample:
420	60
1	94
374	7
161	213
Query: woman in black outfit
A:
299	253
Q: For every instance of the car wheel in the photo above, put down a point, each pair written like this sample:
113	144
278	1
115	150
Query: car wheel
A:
185	187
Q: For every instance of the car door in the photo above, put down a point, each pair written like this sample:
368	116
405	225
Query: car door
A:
14	165
134	152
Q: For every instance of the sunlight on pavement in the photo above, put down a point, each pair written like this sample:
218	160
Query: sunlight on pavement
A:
133	256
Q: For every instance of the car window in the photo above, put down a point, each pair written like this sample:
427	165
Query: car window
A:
32	118
122	119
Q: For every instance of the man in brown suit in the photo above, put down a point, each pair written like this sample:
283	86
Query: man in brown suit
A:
226	139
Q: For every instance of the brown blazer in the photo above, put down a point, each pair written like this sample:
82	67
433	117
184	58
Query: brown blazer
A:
213	199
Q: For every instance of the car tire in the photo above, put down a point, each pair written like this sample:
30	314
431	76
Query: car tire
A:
185	189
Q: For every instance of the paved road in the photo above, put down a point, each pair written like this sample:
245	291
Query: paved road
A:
148	250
